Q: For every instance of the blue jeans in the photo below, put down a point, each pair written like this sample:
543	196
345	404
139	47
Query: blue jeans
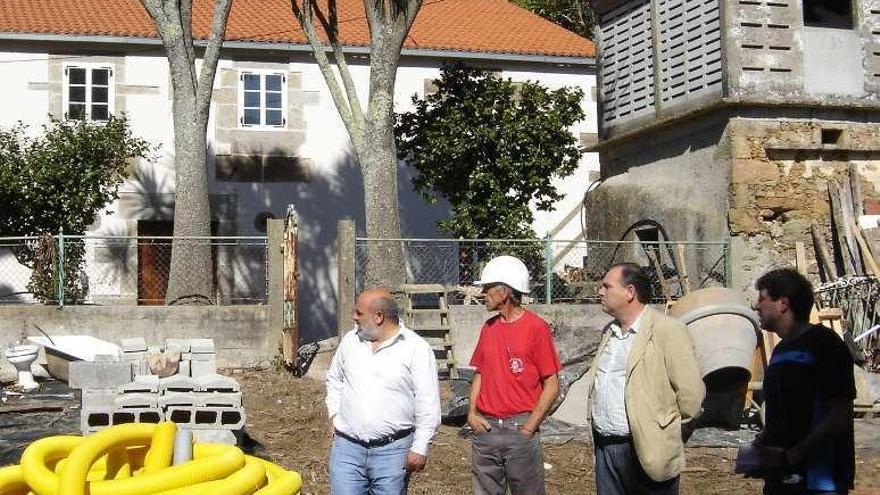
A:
358	470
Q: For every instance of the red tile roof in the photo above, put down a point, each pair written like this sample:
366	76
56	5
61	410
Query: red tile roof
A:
495	26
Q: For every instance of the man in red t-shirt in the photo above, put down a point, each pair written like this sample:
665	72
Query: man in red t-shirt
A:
514	385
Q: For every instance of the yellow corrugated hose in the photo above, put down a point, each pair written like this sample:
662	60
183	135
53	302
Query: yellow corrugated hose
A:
135	459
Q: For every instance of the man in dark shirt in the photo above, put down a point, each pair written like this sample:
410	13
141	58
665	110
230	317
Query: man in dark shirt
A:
806	446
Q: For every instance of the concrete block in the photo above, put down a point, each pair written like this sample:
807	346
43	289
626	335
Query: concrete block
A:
141	368
198	368
138	360
207	418
183	368
94	419
220	399
86	375
178	383
141	384
217	383
133	356
105	358
181	345
136	344
128	401
92	399
202	357
181	399
215	436
201	346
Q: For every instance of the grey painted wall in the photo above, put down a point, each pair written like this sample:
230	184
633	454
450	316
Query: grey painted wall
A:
676	176
240	333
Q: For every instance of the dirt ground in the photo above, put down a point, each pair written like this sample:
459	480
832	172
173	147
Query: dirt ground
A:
287	423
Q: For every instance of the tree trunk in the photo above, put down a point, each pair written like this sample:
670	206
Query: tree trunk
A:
191	274
385	263
378	160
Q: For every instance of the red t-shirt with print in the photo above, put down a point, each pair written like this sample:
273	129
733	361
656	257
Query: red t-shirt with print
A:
512	360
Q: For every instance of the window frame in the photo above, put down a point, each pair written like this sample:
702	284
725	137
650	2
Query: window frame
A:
89	86
262	126
852	21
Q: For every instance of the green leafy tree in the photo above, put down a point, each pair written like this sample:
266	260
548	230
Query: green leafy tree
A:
61	180
491	147
574	15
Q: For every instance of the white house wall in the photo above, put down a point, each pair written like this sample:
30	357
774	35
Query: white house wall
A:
331	192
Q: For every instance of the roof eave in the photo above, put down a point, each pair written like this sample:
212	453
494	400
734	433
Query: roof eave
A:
301	47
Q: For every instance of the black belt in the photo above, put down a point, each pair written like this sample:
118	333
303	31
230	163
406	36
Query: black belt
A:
600	440
378	442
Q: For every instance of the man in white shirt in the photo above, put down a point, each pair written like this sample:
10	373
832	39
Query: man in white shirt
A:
383	399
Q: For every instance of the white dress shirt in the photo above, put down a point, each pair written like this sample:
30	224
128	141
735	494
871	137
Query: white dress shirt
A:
609	404
373	394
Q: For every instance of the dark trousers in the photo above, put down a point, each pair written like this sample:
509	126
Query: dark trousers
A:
618	471
505	457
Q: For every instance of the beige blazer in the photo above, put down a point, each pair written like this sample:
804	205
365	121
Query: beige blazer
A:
664	389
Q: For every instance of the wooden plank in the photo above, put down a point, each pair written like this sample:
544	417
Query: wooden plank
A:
855	186
838	222
32	408
421	288
870	262
846	208
800	257
827	271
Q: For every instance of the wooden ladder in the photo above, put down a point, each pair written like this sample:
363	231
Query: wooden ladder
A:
426	312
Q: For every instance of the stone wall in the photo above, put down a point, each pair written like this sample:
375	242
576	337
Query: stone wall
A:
780	170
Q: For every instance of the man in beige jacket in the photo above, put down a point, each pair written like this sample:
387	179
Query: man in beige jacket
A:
644	384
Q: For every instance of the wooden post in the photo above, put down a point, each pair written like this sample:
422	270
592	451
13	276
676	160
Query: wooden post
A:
855	185
275	236
840	229
849	219
828	272
800	250
866	252
290	334
345	281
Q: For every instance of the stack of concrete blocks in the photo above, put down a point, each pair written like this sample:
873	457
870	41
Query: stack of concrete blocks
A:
134	351
196	398
197	356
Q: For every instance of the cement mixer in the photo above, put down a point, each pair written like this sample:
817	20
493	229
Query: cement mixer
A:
725	332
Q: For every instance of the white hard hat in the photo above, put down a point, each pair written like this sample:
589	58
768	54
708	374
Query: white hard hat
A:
507	270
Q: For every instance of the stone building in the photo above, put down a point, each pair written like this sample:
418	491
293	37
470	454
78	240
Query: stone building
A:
726	119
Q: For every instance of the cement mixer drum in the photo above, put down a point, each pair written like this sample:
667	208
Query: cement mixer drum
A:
724	329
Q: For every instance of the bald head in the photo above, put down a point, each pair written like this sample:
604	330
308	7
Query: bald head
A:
376	314
380	300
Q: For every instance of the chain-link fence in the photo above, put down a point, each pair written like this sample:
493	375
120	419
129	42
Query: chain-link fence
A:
121	270
561	271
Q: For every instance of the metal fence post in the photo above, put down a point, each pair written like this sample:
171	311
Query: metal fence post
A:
548	268
728	268
61	267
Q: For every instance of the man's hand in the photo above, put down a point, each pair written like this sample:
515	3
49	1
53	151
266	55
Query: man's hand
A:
769	460
526	432
415	462
478	423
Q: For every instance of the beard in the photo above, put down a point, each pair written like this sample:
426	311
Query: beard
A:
368	333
